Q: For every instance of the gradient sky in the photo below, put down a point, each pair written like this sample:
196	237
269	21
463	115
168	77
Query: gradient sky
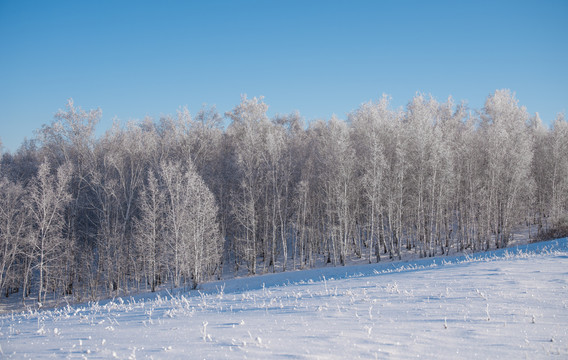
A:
139	58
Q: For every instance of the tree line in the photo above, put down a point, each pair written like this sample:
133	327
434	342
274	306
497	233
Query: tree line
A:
183	199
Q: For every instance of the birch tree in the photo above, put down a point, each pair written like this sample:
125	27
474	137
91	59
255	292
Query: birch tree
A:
509	157
559	171
370	122
48	196
14	234
337	161
191	227
248	121
149	232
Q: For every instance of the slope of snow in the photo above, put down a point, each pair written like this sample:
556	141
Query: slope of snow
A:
504	304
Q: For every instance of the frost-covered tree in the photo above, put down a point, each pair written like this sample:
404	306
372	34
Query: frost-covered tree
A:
14	234
191	230
249	123
541	165
397	169
48	196
149	232
370	122
508	158
337	188
452	131
559	171
70	138
550	171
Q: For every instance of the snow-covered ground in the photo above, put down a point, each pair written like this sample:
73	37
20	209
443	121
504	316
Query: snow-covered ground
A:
504	304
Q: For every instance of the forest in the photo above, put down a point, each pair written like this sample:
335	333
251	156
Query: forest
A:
187	198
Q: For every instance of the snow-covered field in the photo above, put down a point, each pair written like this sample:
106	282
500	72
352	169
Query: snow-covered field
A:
504	304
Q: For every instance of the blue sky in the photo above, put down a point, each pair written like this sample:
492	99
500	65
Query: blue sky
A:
139	58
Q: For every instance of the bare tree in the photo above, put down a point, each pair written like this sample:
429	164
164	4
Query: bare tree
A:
48	196
14	233
190	224
149	231
559	172
369	123
338	187
246	133
508	153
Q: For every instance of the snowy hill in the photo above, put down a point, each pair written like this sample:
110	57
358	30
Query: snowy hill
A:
504	304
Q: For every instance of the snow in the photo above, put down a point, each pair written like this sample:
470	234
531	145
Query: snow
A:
510	303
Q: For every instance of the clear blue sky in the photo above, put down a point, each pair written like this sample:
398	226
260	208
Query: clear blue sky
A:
138	58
